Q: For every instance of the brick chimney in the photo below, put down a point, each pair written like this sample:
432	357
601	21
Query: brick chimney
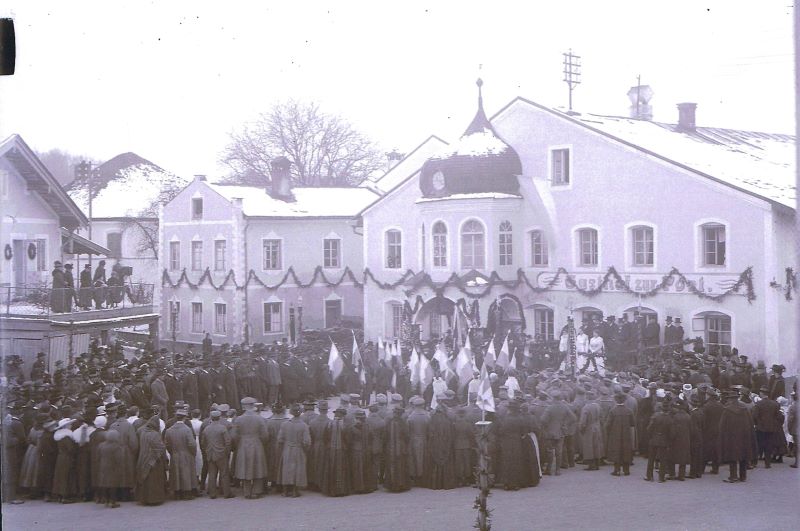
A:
393	158
640	97
199	177
281	185
686	117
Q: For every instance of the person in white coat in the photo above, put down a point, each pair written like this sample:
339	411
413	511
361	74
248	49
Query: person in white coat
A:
597	352
582	347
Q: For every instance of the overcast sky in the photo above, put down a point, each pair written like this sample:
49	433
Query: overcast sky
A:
170	80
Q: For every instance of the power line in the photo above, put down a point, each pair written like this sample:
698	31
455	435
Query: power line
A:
572	72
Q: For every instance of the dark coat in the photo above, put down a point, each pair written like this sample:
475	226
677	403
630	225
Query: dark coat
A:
510	433
697	432
619	441
556	419
439	452
712	412
397	454
182	448
660	429
776	386
735	433
767	416
681	438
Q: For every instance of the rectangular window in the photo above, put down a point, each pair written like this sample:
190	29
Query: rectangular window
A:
219	255
174	316
41	254
539	254
220	318
506	250
197	208
333	313
272	254
643	246
714	245
394	249
273	317
718	334
397	319
543	324
439	250
197	256
4	184
588	247
197	317
174	256
330	252
114	244
435	325
559	174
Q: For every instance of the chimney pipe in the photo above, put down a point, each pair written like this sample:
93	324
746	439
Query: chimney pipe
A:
281	186
686	117
199	177
393	158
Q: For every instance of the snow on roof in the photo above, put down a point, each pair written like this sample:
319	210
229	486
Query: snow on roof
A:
407	167
128	190
759	163
309	201
477	195
476	144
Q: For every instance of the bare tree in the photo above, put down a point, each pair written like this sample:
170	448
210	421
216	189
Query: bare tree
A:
147	236
324	149
61	164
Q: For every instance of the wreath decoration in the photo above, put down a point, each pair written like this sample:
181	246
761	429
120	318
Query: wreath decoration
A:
8	253
32	251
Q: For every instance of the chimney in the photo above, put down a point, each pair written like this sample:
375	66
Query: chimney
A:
281	186
640	97
199	177
686	117
393	158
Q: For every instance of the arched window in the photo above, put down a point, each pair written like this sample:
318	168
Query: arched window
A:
714	244
539	252
643	246
473	254
506	249
439	244
394	249
587	247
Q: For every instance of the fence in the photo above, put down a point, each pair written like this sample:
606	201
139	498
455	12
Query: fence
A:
42	301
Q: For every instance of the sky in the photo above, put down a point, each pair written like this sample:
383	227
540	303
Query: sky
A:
170	80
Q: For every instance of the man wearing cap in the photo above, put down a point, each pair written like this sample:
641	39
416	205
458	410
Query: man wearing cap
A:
418	421
182	448
768	421
776	385
129	442
397	450
659	431
590	431
273	449
735	437
619	443
336	475
696	465
308	411
554	422
680	441
249	436
712	413
158	392
13	448
377	427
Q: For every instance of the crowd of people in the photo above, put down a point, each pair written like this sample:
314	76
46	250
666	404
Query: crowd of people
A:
262	419
94	289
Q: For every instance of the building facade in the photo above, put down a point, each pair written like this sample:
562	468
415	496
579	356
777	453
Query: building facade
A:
534	209
250	264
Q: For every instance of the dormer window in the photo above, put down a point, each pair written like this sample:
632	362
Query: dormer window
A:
197	208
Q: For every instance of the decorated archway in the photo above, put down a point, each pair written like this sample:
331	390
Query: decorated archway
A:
505	315
434	317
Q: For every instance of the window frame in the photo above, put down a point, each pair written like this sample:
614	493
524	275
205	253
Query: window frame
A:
717	228
545	248
199	328
579	245
174	324
279	265
326	264
551	166
706	317
439	260
631	245
223	330
217	258
462	234
388	246
279	313
195	214
550	331
505	256
41	253
196	255
117	233
396	316
325	302
174	257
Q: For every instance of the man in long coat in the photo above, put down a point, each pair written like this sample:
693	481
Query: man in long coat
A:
216	442
680	441
158	391
766	417
294	439
249	436
735	437
619	443
130	448
590	429
659	433
510	432
696	413
359	454
336	475
712	412
397	452
439	448
182	448
377	429
555	419
418	430
58	293
316	457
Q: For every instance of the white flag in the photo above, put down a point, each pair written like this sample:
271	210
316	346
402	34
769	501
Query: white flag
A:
463	367
425	372
485	399
502	358
335	361
413	366
490	358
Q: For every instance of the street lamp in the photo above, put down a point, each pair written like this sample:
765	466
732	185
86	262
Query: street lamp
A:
299	318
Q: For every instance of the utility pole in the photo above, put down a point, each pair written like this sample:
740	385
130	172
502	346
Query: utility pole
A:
572	73
84	170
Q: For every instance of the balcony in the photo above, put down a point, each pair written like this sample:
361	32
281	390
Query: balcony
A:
66	305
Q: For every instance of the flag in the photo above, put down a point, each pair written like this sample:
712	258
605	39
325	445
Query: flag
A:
502	358
444	362
485	399
425	372
512	364
381	350
463	367
455	327
394	380
335	361
358	363
490	358
413	366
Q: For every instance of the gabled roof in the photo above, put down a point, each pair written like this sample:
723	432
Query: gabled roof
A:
127	185
759	164
322	202
40	180
408	166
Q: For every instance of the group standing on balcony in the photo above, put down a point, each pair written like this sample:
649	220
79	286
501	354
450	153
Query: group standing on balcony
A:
93	288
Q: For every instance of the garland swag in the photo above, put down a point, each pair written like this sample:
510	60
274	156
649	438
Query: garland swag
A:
479	291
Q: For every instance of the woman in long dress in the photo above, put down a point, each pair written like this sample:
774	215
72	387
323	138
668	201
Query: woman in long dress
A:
65	481
29	473
151	467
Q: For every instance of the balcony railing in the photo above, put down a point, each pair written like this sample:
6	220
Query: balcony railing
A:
43	301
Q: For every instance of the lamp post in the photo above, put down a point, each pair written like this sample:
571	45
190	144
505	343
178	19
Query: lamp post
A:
174	323
299	319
